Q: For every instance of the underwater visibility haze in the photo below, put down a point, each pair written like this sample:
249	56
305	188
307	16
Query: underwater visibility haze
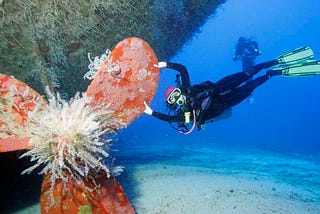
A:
286	110
274	139
264	159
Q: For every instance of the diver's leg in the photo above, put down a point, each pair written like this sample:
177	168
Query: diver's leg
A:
239	94
258	67
272	73
234	80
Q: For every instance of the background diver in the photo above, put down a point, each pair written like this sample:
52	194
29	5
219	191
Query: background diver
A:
246	50
191	106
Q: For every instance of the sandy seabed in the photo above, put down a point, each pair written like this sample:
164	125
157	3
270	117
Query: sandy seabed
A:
209	181
223	181
182	189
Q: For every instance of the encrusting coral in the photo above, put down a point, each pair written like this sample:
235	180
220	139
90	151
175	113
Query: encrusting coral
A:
45	43
70	139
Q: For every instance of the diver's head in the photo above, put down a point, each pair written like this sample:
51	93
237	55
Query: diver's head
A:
242	39
173	95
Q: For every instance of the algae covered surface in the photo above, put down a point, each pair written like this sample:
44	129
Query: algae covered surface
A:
46	43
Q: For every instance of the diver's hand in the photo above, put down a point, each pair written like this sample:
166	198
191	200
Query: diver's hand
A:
148	109
161	65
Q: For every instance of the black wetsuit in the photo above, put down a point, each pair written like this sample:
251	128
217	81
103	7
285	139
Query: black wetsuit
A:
209	99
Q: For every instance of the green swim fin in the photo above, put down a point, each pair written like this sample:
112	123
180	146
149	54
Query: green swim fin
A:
296	56
306	68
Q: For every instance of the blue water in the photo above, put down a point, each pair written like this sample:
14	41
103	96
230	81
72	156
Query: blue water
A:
285	114
283	121
276	138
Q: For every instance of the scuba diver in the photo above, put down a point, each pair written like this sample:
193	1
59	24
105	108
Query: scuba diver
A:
191	106
246	50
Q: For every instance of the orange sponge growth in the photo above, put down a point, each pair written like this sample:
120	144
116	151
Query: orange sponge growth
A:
16	100
106	196
126	79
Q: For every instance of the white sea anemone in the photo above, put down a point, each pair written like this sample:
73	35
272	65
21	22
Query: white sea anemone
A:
67	138
95	64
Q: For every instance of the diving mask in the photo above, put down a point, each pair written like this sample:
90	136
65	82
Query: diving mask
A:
176	97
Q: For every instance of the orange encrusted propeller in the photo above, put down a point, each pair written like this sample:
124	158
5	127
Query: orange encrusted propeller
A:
121	85
106	196
126	79
16	100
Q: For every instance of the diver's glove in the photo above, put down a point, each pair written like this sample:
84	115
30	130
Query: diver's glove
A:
161	65
148	110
